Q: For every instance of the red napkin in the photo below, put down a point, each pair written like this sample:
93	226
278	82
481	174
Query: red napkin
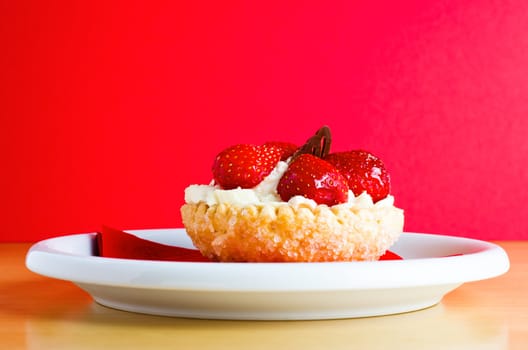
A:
390	256
113	243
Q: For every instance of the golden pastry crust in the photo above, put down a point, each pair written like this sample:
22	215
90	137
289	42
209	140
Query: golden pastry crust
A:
285	233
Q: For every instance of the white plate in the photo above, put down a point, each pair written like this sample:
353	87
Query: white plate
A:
270	291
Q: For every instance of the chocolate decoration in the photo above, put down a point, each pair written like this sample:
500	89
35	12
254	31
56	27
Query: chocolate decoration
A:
317	145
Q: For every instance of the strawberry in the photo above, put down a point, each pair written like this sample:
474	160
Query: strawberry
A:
244	165
287	148
313	178
363	171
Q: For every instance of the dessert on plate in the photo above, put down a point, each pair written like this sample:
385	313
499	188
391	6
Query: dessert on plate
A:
277	202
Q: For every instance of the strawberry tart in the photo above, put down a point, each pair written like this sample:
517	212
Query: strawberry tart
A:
277	202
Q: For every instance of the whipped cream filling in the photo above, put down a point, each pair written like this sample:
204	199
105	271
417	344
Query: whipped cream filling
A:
266	193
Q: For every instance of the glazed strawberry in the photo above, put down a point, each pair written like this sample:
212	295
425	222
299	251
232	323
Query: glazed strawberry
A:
245	166
287	148
313	178
363	171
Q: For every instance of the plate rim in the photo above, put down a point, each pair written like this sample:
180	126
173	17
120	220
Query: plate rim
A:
490	261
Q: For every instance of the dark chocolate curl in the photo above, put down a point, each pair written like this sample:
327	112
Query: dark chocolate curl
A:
317	145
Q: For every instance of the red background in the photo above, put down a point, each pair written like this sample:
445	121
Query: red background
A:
110	109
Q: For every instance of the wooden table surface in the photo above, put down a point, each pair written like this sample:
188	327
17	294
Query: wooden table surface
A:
43	313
